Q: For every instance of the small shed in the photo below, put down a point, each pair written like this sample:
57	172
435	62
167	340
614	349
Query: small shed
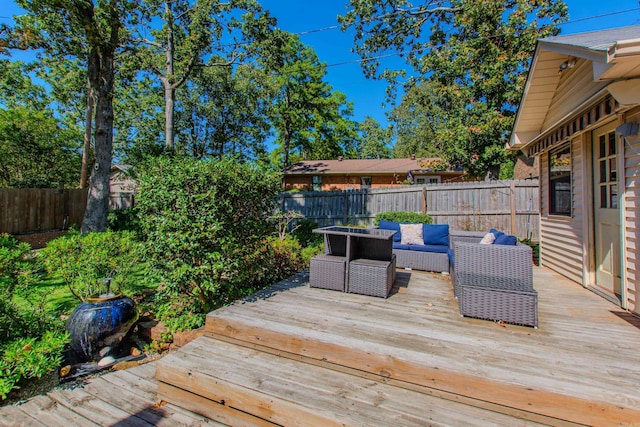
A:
579	116
122	187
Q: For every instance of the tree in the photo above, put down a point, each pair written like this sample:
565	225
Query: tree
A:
309	117
470	61
190	32
224	112
92	33
35	150
373	141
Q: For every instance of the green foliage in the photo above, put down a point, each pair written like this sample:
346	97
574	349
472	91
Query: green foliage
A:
373	141
124	220
274	260
29	358
413	217
469	59
86	261
37	151
304	232
309	117
180	313
203	222
312	250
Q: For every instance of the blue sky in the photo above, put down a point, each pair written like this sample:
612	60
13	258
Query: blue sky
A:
334	47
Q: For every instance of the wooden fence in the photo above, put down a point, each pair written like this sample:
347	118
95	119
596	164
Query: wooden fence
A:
26	210
511	206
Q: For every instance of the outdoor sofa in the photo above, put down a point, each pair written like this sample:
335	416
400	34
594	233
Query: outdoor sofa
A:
494	281
491	281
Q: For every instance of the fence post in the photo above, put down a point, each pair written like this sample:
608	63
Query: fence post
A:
512	191
424	199
346	208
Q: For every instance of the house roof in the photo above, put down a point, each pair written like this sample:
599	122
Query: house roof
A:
614	56
361	166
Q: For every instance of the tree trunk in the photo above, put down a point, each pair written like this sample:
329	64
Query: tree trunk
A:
101	80
169	99
86	151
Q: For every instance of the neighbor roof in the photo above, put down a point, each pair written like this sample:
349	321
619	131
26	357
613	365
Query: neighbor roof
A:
358	166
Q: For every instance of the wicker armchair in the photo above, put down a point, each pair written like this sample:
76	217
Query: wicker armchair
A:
495	282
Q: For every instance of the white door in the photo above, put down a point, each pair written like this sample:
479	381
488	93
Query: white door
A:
606	210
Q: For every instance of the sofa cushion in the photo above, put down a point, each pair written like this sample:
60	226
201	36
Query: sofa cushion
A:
450	254
442	249
411	234
391	225
435	234
505	239
488	239
496	233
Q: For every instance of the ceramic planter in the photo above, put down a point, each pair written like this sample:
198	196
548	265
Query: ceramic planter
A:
98	326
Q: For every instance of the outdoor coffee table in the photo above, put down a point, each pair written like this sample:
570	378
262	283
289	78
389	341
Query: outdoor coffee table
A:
364	254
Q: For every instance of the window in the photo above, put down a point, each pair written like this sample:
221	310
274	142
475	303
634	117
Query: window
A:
608	182
422	180
317	182
560	181
365	182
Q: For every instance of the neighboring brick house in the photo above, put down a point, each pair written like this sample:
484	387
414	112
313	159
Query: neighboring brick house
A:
354	174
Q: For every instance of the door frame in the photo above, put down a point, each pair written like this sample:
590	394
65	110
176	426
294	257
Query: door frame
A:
591	235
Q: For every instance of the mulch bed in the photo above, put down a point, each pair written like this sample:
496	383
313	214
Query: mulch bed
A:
39	240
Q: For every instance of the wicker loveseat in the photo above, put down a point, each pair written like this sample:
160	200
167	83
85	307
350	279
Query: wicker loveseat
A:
431	255
493	281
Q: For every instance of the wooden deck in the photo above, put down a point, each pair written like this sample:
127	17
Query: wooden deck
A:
294	355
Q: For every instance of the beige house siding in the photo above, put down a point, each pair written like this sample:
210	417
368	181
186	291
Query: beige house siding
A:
562	236
576	85
631	218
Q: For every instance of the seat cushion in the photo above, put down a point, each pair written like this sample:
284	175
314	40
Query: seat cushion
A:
442	249
450	254
435	234
505	239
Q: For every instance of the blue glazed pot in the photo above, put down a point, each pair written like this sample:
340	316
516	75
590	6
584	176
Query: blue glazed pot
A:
100	323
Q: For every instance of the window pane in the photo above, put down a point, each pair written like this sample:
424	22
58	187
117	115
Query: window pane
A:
603	171
603	196
603	146
560	181
613	194
612	170
612	144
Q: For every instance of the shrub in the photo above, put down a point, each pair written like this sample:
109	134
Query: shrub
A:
275	260
413	217
203	222
84	262
29	358
124	220
304	233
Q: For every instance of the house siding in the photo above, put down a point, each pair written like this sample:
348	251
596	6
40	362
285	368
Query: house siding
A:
576	85
562	237
631	216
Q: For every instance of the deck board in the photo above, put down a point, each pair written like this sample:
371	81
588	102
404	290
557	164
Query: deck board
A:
296	355
126	398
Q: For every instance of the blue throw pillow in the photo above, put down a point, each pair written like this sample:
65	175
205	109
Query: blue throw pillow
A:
496	233
391	225
505	239
435	234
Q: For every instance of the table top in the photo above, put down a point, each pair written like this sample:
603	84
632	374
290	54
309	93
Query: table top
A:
374	233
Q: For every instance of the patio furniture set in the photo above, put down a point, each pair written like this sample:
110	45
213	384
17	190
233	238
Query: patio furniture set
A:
492	273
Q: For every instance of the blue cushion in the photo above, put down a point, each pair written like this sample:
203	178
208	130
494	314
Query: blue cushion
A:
422	248
450	253
435	234
391	225
496	233
505	239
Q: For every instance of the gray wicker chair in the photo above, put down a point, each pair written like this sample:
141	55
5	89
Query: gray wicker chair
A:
495	282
